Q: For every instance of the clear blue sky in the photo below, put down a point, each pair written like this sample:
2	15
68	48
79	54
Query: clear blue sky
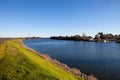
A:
58	17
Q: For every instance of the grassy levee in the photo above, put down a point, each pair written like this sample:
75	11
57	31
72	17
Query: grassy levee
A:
19	63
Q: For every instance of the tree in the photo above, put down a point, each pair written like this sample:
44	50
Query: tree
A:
84	36
101	35
97	38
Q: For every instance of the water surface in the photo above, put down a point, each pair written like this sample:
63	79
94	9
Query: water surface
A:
97	58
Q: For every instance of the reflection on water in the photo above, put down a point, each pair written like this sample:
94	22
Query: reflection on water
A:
99	59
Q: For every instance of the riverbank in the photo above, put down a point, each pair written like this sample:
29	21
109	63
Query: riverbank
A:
73	71
14	52
19	62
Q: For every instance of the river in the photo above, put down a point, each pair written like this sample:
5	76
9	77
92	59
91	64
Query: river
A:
97	58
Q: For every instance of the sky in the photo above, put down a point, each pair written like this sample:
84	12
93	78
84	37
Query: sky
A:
44	18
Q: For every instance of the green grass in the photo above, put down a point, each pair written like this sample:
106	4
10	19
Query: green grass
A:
19	63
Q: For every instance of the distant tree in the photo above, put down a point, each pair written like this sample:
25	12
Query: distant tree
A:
97	38
101	35
77	37
84	36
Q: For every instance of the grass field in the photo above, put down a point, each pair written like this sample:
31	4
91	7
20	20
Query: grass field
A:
19	63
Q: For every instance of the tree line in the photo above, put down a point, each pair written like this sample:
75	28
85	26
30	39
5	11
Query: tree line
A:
99	37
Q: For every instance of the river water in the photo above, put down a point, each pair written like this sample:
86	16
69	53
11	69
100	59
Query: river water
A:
97	58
